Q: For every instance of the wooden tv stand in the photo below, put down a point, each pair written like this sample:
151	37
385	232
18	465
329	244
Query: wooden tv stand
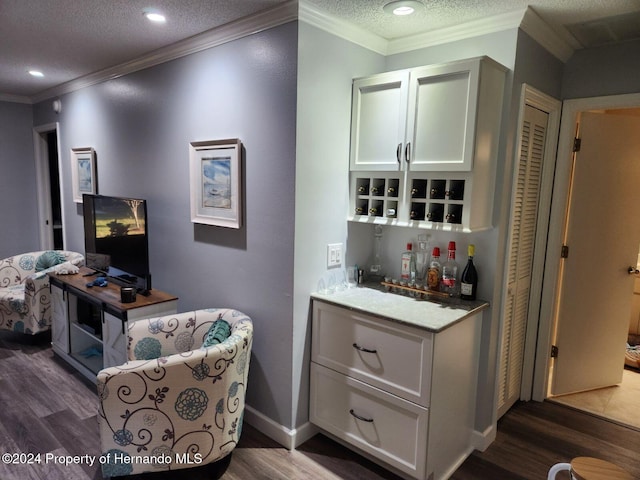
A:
89	324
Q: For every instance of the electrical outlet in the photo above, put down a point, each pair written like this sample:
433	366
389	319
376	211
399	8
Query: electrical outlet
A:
334	255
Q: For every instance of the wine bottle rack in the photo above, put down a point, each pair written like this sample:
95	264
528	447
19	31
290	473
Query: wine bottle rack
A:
415	200
377	196
437	200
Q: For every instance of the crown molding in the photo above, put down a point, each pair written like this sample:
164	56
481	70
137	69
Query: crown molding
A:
343	29
540	31
462	31
525	19
5	97
243	27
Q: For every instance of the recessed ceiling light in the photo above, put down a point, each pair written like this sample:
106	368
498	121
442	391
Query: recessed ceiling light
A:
154	16
36	73
402	7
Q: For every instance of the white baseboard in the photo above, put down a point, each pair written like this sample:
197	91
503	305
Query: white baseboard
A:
289	439
482	440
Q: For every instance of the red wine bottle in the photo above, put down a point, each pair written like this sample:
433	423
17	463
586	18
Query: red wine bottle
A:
469	278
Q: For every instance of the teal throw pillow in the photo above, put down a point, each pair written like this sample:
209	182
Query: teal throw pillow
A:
49	259
218	332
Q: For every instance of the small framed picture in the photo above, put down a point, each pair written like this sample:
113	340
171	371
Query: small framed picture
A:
83	172
215	172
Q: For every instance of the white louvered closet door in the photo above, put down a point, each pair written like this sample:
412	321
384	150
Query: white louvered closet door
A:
524	212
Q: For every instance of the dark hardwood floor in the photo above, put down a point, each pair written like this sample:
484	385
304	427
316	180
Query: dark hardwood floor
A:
46	407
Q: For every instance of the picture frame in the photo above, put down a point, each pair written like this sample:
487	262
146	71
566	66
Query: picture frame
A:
83	172
215	170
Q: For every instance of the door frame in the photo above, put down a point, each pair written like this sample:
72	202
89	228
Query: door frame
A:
41	155
549	300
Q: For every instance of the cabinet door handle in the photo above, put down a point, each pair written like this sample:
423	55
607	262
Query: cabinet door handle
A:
407	152
362	349
398	152
364	419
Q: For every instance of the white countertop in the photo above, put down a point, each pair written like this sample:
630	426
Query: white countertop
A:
432	315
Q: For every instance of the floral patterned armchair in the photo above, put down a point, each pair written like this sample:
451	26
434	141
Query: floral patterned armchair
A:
25	301
175	404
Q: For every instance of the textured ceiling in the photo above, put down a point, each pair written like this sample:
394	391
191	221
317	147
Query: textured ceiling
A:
438	14
70	39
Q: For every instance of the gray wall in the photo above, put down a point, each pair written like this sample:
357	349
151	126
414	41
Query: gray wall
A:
326	66
140	126
536	67
18	205
608	70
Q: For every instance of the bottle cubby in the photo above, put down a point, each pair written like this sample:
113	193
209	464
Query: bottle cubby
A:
455	190
454	214
376	197
419	188
435	212
437	200
438	189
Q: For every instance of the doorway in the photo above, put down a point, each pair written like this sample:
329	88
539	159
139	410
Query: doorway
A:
49	182
551	305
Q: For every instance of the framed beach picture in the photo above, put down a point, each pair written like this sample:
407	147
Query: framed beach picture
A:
83	172
215	172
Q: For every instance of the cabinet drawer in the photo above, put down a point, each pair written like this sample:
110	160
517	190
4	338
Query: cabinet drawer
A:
387	355
389	428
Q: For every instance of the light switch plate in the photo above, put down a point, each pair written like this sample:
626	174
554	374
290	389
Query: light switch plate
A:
334	255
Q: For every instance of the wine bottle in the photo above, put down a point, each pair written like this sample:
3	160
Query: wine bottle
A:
469	278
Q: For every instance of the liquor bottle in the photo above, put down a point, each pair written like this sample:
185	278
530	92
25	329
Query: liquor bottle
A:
422	257
435	270
469	278
408	267
450	271
376	266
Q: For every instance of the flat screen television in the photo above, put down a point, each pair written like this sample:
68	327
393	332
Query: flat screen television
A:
116	239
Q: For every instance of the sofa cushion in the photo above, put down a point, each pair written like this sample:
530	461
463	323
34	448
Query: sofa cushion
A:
49	259
218	332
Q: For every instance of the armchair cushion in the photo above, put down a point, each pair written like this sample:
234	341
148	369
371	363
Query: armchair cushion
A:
25	301
218	332
49	259
183	408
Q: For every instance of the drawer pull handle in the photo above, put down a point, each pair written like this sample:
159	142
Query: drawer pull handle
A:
368	420
362	349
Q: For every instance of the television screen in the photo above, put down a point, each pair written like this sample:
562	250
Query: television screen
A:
116	241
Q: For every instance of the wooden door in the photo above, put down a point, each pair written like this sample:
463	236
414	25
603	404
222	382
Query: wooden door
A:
602	235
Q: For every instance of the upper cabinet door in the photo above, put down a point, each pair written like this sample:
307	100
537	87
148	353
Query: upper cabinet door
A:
443	103
379	118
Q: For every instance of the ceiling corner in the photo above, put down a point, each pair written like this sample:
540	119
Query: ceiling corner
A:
341	28
542	33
